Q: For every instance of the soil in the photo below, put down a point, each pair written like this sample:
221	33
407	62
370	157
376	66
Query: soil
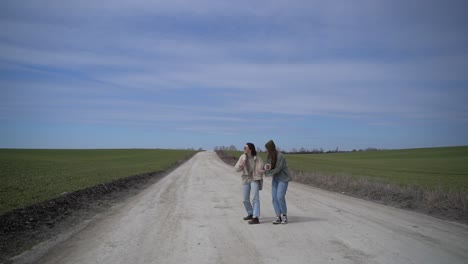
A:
228	159
21	229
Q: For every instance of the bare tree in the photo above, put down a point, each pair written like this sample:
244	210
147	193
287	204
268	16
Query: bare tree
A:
232	147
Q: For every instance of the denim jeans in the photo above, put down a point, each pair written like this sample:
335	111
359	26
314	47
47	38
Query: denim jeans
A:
278	193
255	208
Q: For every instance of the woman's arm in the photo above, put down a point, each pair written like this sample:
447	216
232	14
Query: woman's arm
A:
279	166
260	162
240	163
259	165
262	170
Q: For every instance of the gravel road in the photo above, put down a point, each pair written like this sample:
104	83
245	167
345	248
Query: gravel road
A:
194	215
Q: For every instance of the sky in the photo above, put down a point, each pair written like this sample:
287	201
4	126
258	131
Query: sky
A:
201	74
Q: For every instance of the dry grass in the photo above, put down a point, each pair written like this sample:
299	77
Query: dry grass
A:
226	157
438	202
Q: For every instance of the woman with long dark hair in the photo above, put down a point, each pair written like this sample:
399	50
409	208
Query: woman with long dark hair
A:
249	163
277	167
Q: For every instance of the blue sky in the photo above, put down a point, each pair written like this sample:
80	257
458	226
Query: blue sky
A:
190	74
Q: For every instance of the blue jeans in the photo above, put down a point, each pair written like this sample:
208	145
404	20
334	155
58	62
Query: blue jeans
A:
255	209
278	193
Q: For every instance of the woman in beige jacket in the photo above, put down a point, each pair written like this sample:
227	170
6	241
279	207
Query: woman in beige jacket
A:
249	163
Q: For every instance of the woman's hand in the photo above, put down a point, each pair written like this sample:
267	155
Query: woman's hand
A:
260	171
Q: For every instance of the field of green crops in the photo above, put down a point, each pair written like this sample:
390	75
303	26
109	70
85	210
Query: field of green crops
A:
432	167
32	176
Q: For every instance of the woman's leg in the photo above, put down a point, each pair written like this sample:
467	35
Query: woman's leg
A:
256	198
246	201
274	196
281	196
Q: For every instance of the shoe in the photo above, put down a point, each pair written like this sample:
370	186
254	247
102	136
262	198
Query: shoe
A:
285	220
254	221
277	221
248	217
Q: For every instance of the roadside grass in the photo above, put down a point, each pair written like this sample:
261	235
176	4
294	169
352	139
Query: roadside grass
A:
433	168
430	180
30	176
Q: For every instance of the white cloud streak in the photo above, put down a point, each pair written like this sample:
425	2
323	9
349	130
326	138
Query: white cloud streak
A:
125	62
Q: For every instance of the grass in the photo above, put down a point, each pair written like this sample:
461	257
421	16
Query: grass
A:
445	168
30	176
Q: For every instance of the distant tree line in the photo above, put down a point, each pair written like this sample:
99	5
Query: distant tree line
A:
301	150
232	147
199	149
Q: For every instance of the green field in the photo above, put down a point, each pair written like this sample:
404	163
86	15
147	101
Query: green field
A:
32	176
431	167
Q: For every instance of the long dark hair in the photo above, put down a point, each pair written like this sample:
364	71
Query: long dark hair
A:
251	146
252	149
273	157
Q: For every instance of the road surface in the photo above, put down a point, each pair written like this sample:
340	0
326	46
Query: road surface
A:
194	215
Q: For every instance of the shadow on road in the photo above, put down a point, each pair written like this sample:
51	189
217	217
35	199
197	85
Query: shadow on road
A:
293	219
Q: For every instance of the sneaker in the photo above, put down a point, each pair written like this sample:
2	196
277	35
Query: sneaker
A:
285	220
248	217
254	221
277	221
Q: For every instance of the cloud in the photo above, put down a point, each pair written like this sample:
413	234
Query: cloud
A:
197	66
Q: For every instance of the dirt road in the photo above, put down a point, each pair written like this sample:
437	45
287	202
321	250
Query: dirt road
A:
194	215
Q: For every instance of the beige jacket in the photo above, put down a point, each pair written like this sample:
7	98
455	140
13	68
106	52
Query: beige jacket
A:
254	166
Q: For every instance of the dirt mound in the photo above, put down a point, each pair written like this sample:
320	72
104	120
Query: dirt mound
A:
228	159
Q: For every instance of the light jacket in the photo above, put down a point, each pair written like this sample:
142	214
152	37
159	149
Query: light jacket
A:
281	171
246	176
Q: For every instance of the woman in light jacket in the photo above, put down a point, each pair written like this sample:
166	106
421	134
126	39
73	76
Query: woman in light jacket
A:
249	163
